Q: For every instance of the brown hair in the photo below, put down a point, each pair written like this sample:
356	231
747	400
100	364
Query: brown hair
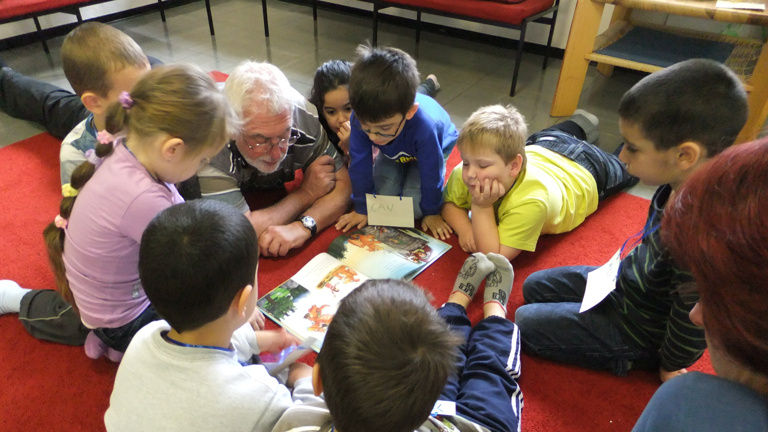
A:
93	52
181	101
382	83
495	127
386	358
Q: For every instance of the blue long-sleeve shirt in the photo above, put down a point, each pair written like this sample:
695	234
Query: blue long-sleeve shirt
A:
424	140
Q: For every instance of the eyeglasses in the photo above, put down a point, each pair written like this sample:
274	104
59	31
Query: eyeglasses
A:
262	143
379	134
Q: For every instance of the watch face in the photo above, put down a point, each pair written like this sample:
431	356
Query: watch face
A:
309	223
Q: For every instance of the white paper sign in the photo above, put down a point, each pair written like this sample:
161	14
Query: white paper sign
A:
601	282
444	408
385	210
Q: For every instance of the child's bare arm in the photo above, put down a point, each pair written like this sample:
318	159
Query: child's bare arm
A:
484	228
458	219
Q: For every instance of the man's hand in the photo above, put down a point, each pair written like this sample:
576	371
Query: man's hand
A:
275	340
437	226
319	178
486	193
666	376
344	131
277	240
257	320
352	219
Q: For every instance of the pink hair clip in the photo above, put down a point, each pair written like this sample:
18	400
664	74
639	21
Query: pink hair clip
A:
104	137
60	222
125	100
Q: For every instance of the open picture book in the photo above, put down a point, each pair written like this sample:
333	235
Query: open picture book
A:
305	304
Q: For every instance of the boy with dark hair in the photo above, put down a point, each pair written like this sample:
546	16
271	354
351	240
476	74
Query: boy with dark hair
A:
193	372
388	357
672	122
412	132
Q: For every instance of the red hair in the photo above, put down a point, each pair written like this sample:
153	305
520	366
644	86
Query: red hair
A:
716	226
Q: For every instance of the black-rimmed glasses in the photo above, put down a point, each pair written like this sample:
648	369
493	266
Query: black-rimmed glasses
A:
383	135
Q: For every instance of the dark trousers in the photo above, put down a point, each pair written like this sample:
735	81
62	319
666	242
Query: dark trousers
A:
485	388
569	140
58	110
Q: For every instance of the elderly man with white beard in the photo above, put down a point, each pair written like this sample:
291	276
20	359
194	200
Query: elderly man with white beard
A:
276	137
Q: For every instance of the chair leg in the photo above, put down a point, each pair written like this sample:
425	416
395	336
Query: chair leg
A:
40	35
418	26
314	10
518	58
78	15
375	23
210	17
162	10
266	19
549	40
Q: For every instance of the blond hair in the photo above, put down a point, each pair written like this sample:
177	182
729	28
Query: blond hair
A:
93	52
495	127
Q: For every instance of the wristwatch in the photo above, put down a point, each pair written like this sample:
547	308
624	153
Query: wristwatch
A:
309	223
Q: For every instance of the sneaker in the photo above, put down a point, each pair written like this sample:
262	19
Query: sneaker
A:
588	123
433	78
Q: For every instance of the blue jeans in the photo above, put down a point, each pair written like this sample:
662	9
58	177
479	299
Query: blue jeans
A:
118	338
552	327
609	172
485	388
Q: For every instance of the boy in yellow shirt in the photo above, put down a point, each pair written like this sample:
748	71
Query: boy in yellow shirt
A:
518	189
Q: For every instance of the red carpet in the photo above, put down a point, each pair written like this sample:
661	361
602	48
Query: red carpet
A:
47	386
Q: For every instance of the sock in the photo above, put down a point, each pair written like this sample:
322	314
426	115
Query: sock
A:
474	270
10	296
588	122
498	285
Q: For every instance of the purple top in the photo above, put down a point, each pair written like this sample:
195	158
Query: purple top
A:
101	248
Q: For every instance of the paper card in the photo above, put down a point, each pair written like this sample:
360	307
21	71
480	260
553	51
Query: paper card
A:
444	408
393	211
601	282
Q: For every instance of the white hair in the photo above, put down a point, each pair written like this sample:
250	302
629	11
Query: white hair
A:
261	87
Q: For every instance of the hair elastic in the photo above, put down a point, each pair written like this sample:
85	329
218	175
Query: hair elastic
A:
91	157
60	222
125	100
104	137
67	191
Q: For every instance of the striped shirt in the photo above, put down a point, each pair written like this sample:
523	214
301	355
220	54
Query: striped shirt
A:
647	304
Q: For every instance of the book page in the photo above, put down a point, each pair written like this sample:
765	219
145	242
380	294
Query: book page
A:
306	303
386	252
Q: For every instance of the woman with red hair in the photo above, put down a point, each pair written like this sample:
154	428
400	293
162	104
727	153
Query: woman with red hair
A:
717	227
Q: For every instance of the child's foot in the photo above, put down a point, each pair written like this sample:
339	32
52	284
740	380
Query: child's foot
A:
474	270
498	284
433	78
10	296
588	123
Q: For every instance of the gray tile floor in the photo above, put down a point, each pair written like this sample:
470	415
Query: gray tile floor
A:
471	74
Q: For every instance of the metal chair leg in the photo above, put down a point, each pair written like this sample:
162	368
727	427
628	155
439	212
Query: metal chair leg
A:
518	58
40	35
210	17
266	19
418	26
162	10
375	23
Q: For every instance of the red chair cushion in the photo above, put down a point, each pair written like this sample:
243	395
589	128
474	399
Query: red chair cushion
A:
14	8
488	10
